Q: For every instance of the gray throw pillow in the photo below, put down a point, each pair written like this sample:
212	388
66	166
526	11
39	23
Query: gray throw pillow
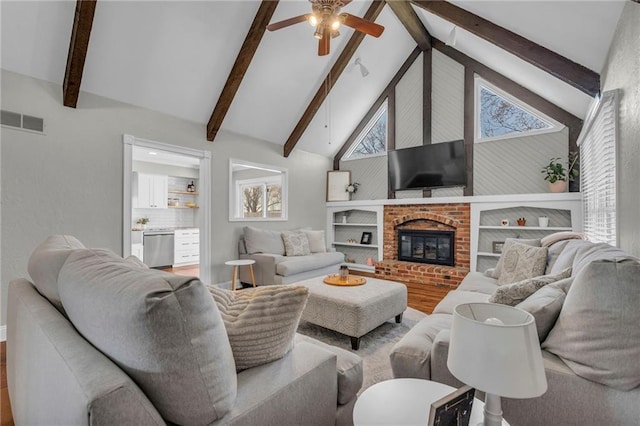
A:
296	243
163	330
45	263
521	261
597	333
545	305
260	322
512	294
507	243
258	240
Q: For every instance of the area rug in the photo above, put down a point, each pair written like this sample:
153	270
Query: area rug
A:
375	346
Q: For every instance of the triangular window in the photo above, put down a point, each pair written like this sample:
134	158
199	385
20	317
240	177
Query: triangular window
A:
372	140
500	115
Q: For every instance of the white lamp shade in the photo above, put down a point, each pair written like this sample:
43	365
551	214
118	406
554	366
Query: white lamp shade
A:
498	357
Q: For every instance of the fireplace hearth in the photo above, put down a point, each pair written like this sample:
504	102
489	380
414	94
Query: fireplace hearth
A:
431	247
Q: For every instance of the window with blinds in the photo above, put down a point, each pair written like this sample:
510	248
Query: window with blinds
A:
597	144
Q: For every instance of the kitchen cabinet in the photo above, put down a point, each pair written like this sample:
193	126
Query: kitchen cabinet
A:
150	191
186	247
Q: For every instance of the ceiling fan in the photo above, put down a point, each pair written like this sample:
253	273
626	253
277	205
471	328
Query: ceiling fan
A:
327	19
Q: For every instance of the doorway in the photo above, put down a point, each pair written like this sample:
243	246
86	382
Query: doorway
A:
167	187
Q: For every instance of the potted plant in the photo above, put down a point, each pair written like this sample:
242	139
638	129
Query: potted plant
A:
557	175
142	222
352	188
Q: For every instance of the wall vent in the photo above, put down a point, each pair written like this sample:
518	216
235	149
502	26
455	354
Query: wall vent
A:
22	121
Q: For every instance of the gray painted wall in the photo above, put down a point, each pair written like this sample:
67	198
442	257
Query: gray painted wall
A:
510	166
69	181
621	72
409	114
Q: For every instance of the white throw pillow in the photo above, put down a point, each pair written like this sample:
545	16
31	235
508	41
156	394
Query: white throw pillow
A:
316	241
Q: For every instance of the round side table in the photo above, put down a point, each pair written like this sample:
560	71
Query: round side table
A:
238	263
405	402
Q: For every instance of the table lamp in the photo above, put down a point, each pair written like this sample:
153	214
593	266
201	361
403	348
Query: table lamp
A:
494	348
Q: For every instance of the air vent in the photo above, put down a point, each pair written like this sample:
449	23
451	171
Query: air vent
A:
20	121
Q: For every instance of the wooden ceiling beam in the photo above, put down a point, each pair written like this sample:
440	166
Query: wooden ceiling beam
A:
560	67
78	46
331	78
412	23
240	66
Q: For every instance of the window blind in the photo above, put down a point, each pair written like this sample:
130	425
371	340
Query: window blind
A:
598	173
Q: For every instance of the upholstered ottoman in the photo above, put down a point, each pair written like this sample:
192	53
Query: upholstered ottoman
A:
354	311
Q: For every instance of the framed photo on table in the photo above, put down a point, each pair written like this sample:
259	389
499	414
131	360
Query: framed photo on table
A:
453	409
337	181
366	238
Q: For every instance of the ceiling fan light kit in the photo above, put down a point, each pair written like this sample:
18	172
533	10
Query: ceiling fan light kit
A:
327	19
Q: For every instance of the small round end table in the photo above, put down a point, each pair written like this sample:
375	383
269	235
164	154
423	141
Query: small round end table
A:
405	402
236	264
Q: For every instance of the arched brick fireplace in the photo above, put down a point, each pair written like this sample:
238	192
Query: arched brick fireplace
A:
426	283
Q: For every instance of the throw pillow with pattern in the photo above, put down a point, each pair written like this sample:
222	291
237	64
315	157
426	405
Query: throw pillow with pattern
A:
261	322
521	261
296	243
512	294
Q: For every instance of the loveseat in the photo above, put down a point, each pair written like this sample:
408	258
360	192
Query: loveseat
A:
588	325
98	339
280	263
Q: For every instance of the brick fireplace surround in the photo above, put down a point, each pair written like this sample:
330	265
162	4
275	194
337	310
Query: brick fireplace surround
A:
426	284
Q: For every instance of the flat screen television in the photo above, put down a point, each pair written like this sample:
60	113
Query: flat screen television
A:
437	165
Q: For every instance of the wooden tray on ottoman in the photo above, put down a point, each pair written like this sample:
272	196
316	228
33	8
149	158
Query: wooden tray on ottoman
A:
351	280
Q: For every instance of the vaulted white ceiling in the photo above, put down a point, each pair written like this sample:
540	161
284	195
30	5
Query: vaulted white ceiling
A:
175	56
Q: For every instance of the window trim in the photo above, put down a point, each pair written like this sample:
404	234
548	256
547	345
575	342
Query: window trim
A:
233	192
479	83
384	108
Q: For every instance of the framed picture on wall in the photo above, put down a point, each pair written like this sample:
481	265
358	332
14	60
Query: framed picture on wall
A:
337	181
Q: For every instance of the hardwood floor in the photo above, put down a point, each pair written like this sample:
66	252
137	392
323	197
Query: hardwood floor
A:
190	271
6	419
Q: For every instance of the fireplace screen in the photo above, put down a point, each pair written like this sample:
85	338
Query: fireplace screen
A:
436	247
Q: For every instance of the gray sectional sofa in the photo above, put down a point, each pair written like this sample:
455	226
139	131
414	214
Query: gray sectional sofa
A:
589	328
98	339
274	265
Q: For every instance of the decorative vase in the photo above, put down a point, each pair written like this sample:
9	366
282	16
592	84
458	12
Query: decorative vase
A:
543	221
522	222
558	186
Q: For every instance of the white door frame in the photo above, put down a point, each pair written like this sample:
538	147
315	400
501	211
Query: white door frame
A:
204	200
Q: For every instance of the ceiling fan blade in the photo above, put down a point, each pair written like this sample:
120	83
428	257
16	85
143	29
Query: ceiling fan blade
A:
287	22
324	44
361	25
346	2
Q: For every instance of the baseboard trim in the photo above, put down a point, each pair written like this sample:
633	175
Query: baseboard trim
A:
3	333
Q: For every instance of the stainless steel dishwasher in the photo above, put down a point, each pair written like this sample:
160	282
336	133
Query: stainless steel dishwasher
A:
158	248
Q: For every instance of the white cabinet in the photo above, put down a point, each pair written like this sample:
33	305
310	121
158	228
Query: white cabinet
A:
150	191
186	247
137	250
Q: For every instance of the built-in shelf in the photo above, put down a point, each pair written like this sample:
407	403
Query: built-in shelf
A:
528	228
361	267
183	207
487	254
335	243
353	224
183	192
